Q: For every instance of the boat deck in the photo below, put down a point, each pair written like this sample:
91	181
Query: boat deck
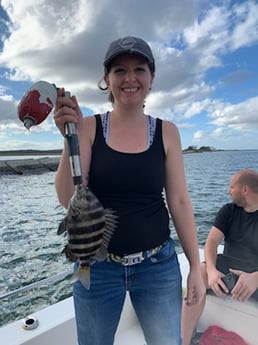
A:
56	324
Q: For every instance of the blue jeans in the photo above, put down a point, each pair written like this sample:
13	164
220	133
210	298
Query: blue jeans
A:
155	290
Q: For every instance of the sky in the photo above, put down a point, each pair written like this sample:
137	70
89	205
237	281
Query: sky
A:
206	55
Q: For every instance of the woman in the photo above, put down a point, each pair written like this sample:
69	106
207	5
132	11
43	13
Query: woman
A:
128	158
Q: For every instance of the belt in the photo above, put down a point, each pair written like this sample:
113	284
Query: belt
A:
136	258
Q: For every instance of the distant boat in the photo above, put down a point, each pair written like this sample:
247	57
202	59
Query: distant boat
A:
55	324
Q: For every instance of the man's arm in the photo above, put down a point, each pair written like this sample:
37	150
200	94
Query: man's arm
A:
213	240
214	276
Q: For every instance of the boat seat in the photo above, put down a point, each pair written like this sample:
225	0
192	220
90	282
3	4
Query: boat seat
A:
235	316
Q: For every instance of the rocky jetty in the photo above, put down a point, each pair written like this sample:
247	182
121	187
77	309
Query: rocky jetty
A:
28	166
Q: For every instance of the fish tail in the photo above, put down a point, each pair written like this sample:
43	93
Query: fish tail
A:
83	275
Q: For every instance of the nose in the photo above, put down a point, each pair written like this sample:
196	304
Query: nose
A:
130	76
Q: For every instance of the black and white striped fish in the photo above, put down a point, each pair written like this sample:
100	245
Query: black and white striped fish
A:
89	228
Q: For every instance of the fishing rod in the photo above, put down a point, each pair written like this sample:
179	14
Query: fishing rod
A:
34	108
37	284
74	150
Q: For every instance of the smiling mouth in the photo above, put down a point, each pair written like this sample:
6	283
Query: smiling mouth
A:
130	89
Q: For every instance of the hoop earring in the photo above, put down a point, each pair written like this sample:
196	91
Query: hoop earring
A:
102	88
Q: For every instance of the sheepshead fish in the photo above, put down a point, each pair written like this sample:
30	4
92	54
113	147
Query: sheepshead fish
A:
89	227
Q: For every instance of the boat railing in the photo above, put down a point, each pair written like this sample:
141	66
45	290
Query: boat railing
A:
55	277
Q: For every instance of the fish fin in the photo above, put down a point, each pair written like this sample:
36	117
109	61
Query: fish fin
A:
110	226
69	254
62	227
83	275
101	254
110	216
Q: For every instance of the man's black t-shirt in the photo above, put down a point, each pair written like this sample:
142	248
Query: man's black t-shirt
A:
240	229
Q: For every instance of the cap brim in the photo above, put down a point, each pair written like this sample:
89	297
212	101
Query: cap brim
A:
130	52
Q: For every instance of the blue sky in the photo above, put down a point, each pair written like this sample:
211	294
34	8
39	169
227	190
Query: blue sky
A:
206	55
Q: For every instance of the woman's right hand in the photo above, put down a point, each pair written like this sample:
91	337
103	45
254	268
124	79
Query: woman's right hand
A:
66	110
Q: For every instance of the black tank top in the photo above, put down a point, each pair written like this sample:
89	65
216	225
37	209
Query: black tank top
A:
132	185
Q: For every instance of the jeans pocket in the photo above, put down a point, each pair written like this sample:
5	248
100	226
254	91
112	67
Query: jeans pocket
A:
165	253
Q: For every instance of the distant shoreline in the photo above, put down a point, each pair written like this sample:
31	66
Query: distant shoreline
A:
59	152
20	162
31	153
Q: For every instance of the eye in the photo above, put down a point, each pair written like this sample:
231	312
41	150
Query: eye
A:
140	69
88	197
119	70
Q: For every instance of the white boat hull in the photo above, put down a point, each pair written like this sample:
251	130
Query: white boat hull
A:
57	325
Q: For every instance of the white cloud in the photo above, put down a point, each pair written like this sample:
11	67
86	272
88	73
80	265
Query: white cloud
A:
212	27
8	108
64	42
242	116
198	135
246	30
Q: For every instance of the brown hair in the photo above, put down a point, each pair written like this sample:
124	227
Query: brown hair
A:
105	88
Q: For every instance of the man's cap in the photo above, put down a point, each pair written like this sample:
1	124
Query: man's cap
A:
129	45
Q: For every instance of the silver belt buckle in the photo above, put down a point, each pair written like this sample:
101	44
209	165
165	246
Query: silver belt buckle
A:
133	259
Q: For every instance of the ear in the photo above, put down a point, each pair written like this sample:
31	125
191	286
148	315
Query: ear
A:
245	189
106	78
152	78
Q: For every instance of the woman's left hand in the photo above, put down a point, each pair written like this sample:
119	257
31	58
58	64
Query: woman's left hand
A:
195	287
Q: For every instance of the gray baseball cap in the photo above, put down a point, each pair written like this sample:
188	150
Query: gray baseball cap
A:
129	45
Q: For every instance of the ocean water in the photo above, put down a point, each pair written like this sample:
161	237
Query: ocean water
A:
30	249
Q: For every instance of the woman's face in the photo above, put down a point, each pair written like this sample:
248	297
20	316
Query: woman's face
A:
129	79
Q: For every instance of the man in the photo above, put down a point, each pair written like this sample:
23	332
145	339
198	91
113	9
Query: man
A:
237	224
